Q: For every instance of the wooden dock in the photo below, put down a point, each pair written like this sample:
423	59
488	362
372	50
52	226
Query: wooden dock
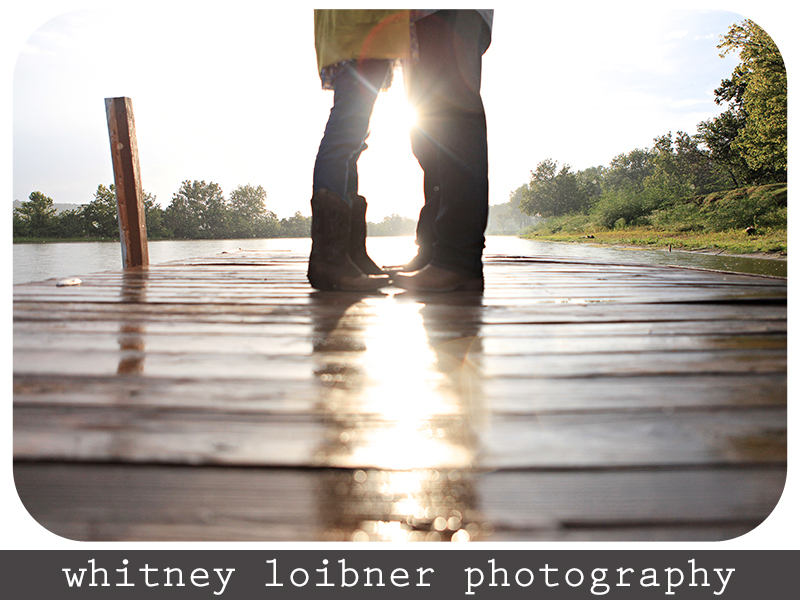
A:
223	399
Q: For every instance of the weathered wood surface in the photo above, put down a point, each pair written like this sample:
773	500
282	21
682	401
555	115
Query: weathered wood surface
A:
127	182
221	398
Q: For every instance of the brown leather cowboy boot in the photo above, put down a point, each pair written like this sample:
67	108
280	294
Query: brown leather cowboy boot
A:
434	280
329	266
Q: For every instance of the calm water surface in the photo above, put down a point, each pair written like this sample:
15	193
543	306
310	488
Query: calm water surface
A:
37	262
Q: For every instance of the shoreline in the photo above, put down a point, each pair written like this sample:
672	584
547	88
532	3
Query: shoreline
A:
663	247
763	255
592	242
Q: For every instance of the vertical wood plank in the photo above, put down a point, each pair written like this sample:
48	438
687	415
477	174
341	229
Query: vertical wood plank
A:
127	182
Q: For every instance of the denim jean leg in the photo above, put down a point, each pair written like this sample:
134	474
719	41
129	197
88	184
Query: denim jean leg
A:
355	91
451	144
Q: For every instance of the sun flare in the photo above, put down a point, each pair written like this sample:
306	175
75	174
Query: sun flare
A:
389	175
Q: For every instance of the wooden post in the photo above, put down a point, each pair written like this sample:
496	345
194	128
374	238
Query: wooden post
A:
127	182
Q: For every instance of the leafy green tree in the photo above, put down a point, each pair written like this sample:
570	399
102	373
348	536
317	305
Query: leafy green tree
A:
70	224
516	197
717	136
592	181
247	211
295	226
553	191
269	226
21	225
680	168
507	218
393	225
198	210
669	174
154	219
100	215
36	217
629	171
758	89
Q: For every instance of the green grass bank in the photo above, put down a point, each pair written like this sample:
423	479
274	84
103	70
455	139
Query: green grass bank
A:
751	220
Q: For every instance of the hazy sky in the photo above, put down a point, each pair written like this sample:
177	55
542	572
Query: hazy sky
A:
228	92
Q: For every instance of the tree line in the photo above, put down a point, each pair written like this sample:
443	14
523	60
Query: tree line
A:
746	145
198	210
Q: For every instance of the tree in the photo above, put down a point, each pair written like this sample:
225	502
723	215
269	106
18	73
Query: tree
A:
757	91
553	191
154	219
247	211
393	225
629	171
681	169
717	136
100	215
198	210
71	224
295	226
20	227
269	226
36	217
592	181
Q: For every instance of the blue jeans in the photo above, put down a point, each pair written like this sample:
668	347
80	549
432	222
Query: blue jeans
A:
449	139
355	90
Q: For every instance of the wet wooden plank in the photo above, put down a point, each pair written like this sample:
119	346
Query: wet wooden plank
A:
241	365
616	387
523	340
30	331
312	439
113	502
518	395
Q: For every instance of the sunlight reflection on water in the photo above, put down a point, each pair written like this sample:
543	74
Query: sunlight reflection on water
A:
36	262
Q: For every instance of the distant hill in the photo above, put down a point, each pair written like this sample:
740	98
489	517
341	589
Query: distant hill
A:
59	207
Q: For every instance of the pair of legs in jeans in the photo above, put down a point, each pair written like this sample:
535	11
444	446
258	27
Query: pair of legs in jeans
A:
449	139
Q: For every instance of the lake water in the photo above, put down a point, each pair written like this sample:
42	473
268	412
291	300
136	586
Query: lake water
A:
37	262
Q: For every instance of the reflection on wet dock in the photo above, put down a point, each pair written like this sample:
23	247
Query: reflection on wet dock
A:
222	399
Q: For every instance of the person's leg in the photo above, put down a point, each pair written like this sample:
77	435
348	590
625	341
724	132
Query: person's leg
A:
355	91
335	177
450	136
425	236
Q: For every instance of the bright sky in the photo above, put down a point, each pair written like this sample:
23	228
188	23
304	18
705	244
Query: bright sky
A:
228	92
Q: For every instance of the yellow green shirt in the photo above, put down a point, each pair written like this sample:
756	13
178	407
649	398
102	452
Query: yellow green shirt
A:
341	35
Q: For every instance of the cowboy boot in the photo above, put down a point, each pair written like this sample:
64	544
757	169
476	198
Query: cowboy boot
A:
432	279
329	265
358	237
425	234
425	239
